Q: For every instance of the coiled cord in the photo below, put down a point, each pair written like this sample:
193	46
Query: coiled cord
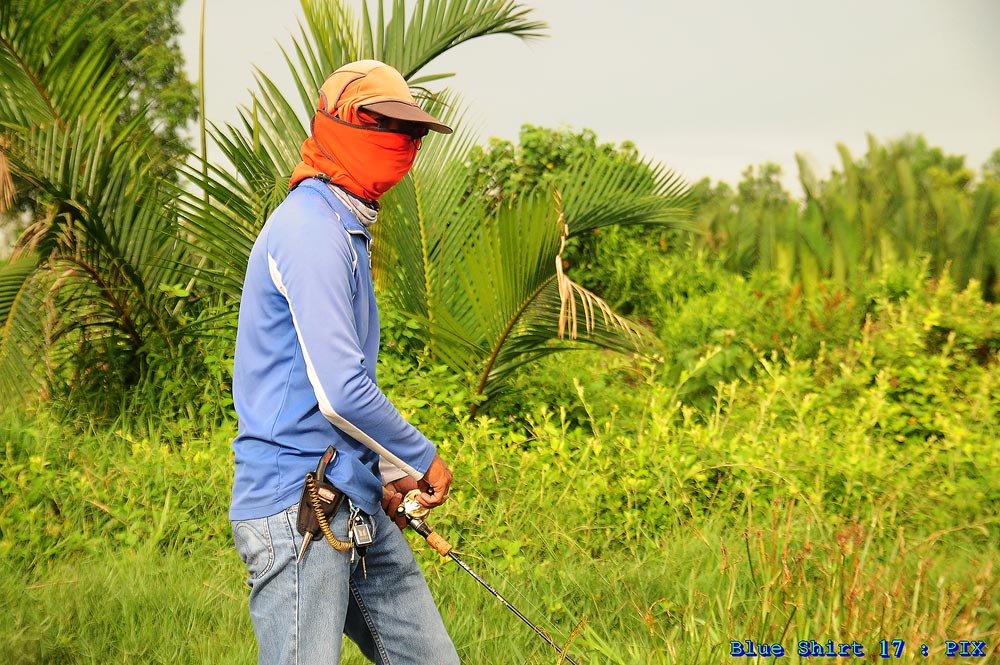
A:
324	523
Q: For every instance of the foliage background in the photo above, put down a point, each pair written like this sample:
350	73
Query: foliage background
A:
788	432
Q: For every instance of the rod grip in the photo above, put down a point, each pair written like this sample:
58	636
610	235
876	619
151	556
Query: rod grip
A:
438	543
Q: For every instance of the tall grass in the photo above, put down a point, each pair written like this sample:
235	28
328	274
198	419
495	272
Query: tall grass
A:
682	598
125	605
852	495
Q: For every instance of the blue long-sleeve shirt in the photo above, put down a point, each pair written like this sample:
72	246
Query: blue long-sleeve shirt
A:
304	373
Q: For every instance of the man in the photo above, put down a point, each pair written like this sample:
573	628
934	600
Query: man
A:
304	379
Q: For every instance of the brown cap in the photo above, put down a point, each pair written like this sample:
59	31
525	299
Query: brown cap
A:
375	86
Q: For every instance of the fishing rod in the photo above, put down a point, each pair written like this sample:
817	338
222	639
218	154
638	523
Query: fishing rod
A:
415	516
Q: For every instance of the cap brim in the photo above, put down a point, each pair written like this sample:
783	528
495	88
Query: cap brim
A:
409	113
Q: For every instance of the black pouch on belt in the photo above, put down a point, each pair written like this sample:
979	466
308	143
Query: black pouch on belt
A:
318	490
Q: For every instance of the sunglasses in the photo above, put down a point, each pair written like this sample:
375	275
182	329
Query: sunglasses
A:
414	130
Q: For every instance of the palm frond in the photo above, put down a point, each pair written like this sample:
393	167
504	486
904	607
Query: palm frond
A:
109	198
23	338
574	299
547	305
330	38
25	33
77	79
12	278
7	193
536	336
220	222
436	27
103	251
40	85
489	288
421	211
600	192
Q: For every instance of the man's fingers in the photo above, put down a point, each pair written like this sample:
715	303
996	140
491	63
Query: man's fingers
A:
393	494
435	484
392	499
429	500
430	496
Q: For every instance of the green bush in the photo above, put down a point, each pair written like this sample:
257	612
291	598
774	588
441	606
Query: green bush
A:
66	493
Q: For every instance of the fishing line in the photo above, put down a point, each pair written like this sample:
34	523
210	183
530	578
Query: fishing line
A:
415	514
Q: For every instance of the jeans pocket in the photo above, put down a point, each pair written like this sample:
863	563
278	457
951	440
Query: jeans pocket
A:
253	543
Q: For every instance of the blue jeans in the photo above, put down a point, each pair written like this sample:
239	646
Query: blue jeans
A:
300	612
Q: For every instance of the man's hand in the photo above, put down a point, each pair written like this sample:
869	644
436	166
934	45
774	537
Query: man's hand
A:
435	484
392	498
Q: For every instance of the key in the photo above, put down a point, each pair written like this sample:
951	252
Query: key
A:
362	533
361	536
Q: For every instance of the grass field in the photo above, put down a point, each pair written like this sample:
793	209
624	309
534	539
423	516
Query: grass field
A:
848	497
597	542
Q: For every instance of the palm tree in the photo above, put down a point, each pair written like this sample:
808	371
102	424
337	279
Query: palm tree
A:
92	291
79	301
486	283
901	202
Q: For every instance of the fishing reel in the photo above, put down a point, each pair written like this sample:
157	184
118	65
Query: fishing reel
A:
412	508
415	514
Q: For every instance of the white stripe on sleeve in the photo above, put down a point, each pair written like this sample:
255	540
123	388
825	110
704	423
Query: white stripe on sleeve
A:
325	406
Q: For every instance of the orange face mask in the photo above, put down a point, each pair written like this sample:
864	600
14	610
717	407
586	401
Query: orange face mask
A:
365	160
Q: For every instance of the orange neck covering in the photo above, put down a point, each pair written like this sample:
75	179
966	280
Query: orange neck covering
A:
364	160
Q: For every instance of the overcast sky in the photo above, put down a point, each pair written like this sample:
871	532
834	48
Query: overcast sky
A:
705	87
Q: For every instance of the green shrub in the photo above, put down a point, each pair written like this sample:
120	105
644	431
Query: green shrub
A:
65	493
